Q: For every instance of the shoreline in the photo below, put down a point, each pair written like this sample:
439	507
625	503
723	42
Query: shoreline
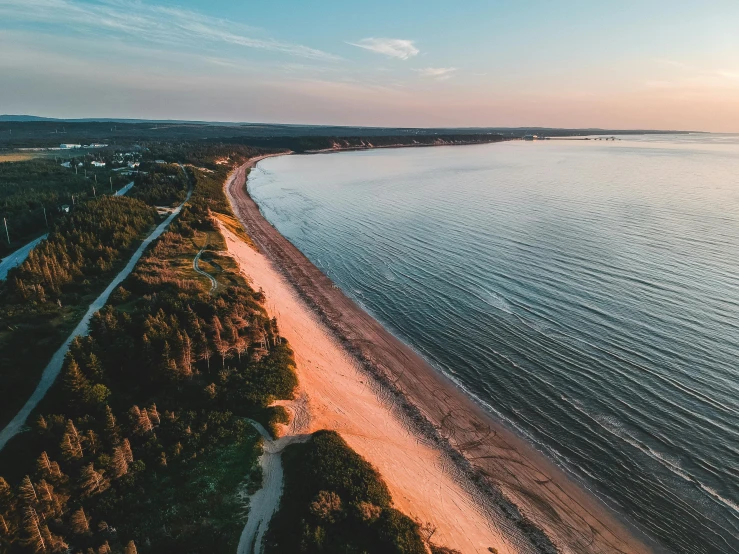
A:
542	502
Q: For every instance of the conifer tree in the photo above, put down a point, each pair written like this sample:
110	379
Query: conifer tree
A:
71	445
35	538
153	415
112	431
127	451
79	522
91	481
119	462
75	383
27	492
130	548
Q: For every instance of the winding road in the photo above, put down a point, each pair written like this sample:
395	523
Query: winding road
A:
51	372
196	267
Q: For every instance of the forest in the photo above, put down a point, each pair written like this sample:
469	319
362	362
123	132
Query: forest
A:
43	298
28	188
160	185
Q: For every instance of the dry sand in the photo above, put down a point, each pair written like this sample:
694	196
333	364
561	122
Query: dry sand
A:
410	421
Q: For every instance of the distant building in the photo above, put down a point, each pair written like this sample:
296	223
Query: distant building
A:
160	161
65	208
67	164
133	164
69	146
95	145
96	163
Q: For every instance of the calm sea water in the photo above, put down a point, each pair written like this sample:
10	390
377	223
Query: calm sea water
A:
587	292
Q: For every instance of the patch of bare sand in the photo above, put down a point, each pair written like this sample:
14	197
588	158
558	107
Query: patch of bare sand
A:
340	397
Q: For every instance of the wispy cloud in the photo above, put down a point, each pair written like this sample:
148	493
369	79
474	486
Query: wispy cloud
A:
391	47
672	63
438	73
728	74
148	22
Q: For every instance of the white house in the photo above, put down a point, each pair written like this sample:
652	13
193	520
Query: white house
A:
69	146
67	164
96	163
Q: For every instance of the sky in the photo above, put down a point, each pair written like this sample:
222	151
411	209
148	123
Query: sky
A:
649	64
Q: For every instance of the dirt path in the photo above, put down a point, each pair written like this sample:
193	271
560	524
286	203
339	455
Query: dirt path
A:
196	267
264	503
51	372
444	458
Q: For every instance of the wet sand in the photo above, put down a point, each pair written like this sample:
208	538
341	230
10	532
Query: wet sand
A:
507	491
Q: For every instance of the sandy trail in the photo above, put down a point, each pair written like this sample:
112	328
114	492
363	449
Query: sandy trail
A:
410	421
51	372
264	503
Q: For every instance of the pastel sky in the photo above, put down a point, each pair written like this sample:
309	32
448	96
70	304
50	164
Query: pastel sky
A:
668	64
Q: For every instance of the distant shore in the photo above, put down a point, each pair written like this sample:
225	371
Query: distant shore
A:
524	493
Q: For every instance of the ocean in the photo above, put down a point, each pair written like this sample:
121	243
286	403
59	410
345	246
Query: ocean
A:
585	292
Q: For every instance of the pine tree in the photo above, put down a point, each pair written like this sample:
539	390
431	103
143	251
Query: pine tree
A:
130	548
6	506
76	385
71	445
94	367
35	537
153	415
91	441
127	451
27	492
49	499
104	548
119	462
140	419
112	431
186	354
91	481
79	522
43	465
6	495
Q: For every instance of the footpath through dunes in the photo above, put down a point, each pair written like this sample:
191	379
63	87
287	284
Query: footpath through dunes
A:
446	461
52	370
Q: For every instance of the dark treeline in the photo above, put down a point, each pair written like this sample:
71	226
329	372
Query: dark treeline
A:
160	185
335	502
310	143
42	298
26	188
213	155
151	400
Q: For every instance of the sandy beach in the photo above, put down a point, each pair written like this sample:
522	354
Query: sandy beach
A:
446	461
